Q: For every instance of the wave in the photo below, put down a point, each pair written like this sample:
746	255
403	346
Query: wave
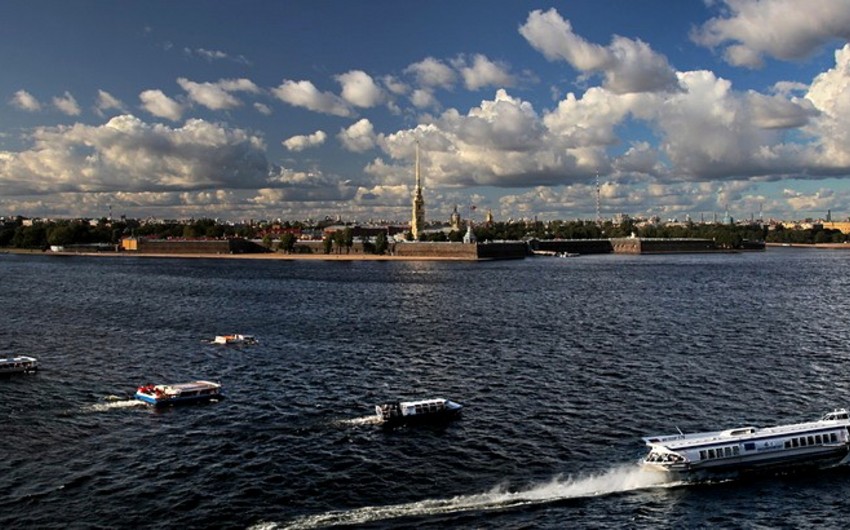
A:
116	404
615	480
365	420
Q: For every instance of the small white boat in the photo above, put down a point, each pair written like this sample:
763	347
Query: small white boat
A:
18	365
815	444
235	339
426	410
192	392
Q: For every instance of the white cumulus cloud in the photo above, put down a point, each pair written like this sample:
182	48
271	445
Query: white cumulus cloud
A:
301	142
830	94
359	137
432	73
67	104
628	65
359	89
783	29
305	94
106	102
127	154
218	95
481	72
160	105
25	101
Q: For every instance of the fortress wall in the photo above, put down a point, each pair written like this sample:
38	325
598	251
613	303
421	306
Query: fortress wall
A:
217	246
580	246
437	250
503	250
628	245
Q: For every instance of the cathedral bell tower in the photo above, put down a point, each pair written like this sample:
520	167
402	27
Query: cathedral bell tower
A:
417	223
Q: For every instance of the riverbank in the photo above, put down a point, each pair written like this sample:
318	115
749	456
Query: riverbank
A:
827	246
258	256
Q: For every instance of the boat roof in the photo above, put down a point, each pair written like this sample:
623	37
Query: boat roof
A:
684	441
423	402
18	359
193	385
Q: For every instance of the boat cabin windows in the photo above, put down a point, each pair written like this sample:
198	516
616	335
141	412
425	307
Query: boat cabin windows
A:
818	439
721	452
429	408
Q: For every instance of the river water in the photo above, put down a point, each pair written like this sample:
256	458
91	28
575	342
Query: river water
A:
562	365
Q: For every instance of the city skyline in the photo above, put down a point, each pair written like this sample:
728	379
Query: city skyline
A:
237	110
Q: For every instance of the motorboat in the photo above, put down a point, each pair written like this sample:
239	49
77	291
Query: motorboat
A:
235	339
426	410
18	365
192	392
814	444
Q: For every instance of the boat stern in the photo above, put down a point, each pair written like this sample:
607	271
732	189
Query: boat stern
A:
141	396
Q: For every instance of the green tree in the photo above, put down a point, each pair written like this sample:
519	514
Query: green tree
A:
381	243
287	242
348	239
34	236
60	235
328	243
190	232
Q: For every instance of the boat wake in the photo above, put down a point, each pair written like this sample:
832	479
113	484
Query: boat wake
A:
114	403
625	478
365	420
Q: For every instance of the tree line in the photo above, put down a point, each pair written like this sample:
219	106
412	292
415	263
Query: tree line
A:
42	235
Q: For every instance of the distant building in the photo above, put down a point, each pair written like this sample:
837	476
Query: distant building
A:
454	220
144	245
838	225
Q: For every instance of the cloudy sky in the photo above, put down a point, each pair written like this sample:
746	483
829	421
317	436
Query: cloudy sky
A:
306	108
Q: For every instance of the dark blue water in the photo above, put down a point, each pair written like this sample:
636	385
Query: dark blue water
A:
563	364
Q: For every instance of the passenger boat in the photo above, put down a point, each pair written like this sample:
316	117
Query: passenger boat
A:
815	444
426	410
194	391
18	365
235	339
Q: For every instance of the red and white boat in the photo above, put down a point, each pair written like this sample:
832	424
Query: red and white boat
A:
179	393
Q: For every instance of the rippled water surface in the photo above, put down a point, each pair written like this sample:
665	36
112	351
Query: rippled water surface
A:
563	364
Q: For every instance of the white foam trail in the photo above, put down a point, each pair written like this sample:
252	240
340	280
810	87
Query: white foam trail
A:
122	404
624	478
365	420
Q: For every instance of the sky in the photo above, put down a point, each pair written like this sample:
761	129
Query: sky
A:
302	109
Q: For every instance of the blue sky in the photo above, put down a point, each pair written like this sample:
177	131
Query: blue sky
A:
297	109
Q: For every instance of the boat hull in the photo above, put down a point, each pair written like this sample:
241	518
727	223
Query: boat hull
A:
767	464
164	402
178	394
418	412
419	419
18	365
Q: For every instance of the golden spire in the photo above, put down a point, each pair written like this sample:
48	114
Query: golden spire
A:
417	222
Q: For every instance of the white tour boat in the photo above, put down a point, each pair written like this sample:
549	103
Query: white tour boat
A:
194	391
18	365
235	339
815	444
423	411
